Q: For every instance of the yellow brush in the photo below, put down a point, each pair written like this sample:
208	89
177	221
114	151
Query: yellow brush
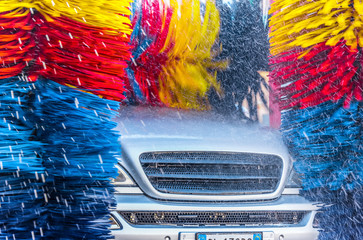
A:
98	13
297	23
189	72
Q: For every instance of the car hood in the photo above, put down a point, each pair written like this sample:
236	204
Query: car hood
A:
146	123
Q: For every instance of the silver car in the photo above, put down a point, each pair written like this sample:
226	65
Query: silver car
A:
187	175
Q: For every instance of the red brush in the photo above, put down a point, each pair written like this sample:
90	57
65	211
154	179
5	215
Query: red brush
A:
16	43
84	56
324	73
149	55
65	51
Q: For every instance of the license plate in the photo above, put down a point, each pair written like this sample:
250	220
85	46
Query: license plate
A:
229	236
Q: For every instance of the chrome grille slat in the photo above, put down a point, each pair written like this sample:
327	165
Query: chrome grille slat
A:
227	177
208	158
213	187
212	172
200	161
241	218
191	169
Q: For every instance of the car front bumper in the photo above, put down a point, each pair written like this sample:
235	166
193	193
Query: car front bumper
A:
139	202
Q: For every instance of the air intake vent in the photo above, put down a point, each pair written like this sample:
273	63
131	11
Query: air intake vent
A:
212	173
214	218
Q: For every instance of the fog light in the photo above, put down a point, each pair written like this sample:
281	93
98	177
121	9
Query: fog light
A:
167	238
133	218
159	217
281	237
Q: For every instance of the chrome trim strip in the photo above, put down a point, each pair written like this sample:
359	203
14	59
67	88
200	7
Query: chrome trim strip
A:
128	190
291	191
144	203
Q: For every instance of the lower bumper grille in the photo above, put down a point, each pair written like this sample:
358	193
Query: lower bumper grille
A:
175	218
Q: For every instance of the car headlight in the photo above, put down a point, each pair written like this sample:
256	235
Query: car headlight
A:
294	180
114	224
123	179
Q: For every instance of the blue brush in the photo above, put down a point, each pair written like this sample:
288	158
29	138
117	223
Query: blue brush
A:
79	150
341	216
326	142
21	170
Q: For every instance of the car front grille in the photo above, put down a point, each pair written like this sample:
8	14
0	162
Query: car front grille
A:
212	173
245	218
